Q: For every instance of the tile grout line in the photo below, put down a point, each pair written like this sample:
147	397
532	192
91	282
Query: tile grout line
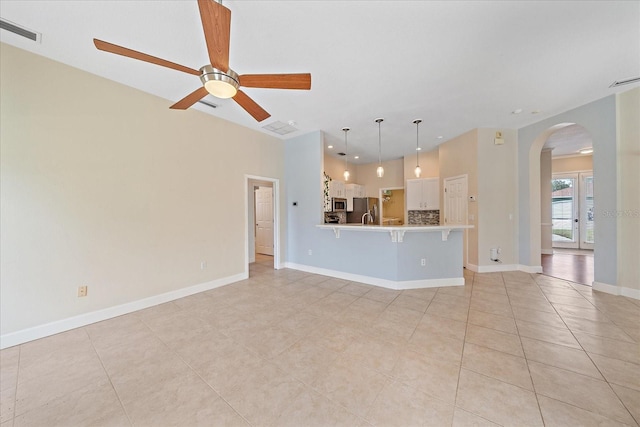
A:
586	353
533	384
124	410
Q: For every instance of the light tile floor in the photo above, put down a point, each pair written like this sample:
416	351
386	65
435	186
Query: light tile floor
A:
290	348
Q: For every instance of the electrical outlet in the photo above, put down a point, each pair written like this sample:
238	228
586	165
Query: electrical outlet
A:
203	265
82	291
423	262
310	252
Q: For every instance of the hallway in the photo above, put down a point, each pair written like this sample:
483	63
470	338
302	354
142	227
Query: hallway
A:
575	265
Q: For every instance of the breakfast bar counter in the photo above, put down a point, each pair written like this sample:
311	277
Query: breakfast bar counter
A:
391	256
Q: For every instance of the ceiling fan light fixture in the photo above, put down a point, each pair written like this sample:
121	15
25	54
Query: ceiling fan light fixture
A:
219	84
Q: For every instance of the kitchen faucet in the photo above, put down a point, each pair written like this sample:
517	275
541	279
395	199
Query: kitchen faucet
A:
365	215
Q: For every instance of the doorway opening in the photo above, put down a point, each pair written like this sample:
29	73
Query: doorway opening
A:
392	205
567	204
262	244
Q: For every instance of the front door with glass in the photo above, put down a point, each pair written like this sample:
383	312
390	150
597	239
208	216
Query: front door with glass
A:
572	211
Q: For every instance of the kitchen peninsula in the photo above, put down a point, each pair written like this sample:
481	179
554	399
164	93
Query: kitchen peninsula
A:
398	257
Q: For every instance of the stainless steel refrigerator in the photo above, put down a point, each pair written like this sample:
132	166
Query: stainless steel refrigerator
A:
361	205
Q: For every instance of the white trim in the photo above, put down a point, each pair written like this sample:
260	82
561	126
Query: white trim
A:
19	337
532	269
375	281
498	268
546	251
616	290
276	218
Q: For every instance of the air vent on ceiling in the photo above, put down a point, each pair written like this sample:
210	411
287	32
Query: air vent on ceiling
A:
341	154
19	30
625	82
208	104
280	128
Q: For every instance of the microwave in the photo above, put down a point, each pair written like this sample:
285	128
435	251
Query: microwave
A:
338	204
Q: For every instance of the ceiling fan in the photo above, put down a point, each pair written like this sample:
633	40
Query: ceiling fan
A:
217	78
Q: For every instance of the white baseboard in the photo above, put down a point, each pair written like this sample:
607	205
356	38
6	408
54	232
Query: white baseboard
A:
532	269
52	328
499	268
616	290
546	251
375	281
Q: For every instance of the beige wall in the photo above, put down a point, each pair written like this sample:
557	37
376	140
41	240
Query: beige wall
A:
572	164
429	164
459	156
497	196
103	185
546	245
393	176
628	212
334	167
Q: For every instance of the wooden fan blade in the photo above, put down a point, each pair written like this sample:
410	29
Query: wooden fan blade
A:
216	22
119	50
277	81
190	99
251	106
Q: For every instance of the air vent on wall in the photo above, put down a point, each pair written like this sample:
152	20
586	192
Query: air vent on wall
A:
625	82
280	128
19	30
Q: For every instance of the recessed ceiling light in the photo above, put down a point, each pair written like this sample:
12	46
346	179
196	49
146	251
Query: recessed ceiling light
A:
329	146
517	111
356	157
440	137
586	151
418	149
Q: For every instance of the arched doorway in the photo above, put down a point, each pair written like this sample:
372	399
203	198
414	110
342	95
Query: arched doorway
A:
567	205
599	118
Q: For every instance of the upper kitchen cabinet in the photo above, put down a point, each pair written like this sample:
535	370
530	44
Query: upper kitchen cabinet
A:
337	189
423	194
353	190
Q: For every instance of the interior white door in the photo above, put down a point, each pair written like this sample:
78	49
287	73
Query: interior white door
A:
264	220
455	206
565	211
455	193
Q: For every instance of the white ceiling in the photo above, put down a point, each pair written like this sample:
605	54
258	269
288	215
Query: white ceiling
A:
457	65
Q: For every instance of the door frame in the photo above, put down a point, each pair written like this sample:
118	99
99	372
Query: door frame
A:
275	183
443	200
580	211
404	209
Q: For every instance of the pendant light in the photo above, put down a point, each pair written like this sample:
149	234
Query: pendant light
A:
380	170
346	155
417	170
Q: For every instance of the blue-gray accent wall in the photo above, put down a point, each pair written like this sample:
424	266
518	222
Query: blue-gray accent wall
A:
599	119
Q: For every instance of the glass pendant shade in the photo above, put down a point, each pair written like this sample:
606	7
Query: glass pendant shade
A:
417	170
346	155
380	170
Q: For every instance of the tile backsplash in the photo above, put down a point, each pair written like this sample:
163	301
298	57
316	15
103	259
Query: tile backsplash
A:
424	217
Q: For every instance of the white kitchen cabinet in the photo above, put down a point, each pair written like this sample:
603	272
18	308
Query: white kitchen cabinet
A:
351	191
337	189
423	194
